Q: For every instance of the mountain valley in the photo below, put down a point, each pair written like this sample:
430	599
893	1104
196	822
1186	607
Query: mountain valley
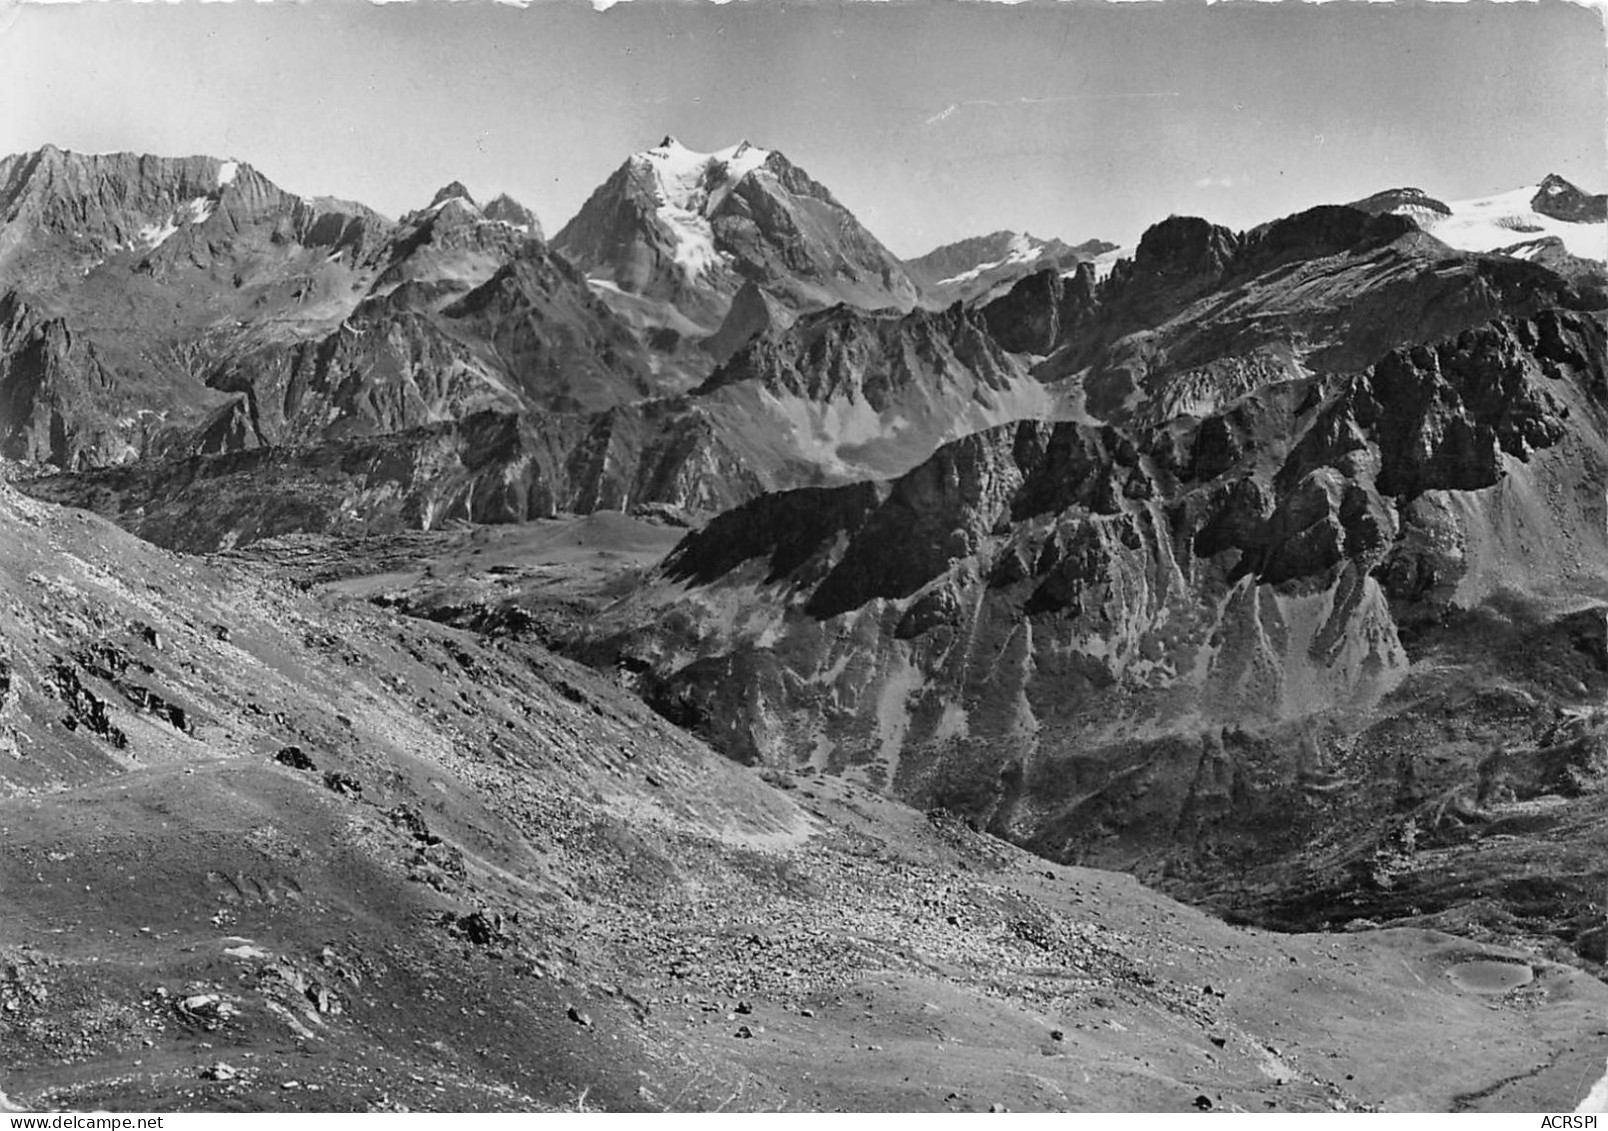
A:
698	660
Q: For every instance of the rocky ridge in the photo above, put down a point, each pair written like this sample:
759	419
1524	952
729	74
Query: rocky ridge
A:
682	231
1115	604
980	267
378	864
166	307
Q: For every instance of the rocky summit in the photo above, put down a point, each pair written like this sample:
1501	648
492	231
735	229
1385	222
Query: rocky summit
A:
704	662
674	233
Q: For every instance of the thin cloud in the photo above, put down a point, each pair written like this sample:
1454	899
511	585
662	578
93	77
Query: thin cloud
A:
1215	182
955	107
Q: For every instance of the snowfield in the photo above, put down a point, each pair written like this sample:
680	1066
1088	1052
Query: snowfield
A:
1495	222
1023	249
690	186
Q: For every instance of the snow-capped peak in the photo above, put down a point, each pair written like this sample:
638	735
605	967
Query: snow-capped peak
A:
449	193
689	186
1493	223
1022	248
695	181
742	159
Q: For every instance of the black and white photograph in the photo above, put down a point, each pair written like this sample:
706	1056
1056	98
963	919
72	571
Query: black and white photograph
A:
803	556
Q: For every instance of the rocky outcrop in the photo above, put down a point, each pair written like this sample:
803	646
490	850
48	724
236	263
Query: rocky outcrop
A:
1412	202
1202	315
451	246
61	211
1058	628
1557	198
561	348
686	230
487	467
49	388
843	353
143	276
192	306
982	266
1042	311
504	209
753	314
859	394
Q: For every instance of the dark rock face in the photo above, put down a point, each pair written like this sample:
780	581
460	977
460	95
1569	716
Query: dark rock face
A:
787	232
1186	246
56	396
452	190
1100	640
191	306
130	277
773	226
975	268
1201	318
1202	315
842	353
1561	200
296	758
60	211
563	347
753	314
451	246
84	707
1319	232
1446	415
509	211
488	467
1042	311
1406	201
244	318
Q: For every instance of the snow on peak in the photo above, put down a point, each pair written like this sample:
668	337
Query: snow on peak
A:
742	159
450	192
226	173
1022	248
196	211
693	180
153	235
1494	223
689	186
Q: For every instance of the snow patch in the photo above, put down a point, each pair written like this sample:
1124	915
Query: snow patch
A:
153	235
689	187
194	211
1105	261
226	173
1022	249
1491	223
462	201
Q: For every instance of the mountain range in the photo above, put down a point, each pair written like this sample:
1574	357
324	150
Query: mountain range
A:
703	630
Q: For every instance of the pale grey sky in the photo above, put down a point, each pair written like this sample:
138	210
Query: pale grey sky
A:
931	120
